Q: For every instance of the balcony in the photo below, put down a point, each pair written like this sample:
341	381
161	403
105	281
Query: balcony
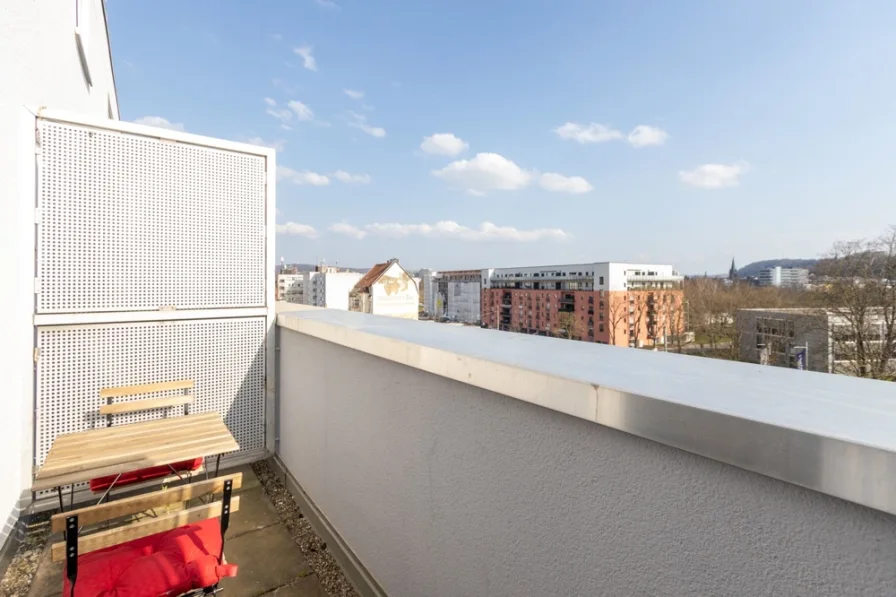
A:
429	457
431	460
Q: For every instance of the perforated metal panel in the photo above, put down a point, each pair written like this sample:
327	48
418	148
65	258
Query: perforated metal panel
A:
133	223
225	357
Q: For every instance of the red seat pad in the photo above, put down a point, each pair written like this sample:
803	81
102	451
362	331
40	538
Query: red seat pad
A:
144	474
166	564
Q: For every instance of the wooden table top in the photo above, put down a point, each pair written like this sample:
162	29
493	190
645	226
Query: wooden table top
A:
77	457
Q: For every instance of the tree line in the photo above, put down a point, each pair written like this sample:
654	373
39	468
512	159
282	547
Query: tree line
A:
853	293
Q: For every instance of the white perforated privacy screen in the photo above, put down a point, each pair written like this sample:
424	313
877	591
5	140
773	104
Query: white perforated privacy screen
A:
225	357
134	223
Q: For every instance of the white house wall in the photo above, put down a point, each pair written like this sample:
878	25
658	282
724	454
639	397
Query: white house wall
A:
395	294
41	67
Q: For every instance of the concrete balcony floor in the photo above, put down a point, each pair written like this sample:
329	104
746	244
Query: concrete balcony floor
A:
274	547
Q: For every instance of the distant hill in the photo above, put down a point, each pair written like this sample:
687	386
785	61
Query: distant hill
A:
751	270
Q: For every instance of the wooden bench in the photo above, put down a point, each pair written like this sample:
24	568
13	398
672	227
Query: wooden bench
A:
162	474
176	553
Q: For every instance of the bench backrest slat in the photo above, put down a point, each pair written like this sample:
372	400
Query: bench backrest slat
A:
137	405
140	503
145	528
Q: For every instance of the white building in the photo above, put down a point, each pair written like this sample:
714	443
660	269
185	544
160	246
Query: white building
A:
428	286
329	288
812	339
291	287
611	276
784	277
387	289
54	55
454	295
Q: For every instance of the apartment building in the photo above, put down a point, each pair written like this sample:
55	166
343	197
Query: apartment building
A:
623	304
328	287
784	277
455	295
815	340
387	289
291	287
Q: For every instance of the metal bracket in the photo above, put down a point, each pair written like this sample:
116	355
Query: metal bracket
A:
225	514
71	550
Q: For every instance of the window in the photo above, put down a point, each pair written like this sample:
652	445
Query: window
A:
601	281
600	328
590	300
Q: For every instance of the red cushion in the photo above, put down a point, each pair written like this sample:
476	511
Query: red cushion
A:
168	563
144	474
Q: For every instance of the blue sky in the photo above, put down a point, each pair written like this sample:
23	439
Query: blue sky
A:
523	132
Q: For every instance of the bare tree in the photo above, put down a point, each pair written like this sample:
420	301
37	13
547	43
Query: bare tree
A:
859	295
568	326
618	313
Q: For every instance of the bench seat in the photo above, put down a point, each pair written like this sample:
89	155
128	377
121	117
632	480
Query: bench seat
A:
168	563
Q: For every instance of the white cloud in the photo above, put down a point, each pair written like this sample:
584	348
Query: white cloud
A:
359	121
343	176
294	108
557	183
327	3
587	133
452	230
294	229
278	144
161	123
485	172
645	136
348	230
443	144
302	111
354	94
308	60
714	176
303	177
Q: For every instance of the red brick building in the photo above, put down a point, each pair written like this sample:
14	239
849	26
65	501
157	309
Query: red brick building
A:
610	303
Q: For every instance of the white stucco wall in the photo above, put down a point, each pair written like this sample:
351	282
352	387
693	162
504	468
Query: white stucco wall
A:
40	66
442	488
395	294
336	288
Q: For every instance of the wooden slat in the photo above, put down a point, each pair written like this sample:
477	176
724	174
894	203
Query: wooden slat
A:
144	528
148	388
90	455
138	405
141	428
140	503
197	451
93	436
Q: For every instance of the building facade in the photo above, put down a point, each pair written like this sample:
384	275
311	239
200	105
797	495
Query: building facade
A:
610	303
784	277
56	56
454	295
329	288
387	289
291	287
812	339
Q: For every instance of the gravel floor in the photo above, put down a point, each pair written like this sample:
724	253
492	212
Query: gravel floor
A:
17	580
313	547
24	564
